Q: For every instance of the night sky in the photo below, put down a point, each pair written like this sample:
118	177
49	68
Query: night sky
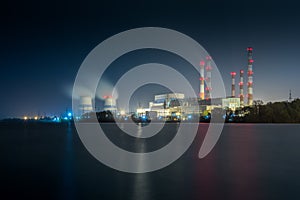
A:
43	44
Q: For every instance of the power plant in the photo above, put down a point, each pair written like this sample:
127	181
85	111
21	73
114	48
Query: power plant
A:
177	106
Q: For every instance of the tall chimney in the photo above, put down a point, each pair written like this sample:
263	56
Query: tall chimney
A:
233	74
201	95
241	84
208	78
250	76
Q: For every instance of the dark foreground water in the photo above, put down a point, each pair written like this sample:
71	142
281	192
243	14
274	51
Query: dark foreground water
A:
250	161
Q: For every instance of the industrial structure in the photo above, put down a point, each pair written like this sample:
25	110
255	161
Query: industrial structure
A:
250	76
233	74
110	104
85	104
177	106
201	95
290	96
241	84
208	78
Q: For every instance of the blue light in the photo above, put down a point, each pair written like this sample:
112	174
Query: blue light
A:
69	114
189	116
56	119
65	118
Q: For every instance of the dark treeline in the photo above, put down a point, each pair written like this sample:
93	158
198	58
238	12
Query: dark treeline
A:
277	112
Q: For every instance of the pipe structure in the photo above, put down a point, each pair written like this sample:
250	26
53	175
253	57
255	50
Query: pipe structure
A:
250	76
233	74
202	64
241	84
208	78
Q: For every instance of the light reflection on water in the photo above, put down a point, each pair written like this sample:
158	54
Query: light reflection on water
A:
68	165
250	161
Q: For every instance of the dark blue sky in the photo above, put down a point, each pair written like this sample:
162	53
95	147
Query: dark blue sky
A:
44	42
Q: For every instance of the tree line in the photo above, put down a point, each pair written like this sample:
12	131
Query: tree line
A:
277	112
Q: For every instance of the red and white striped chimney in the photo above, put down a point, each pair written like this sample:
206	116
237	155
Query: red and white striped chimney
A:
241	84
208	78
250	76
233	74
201	95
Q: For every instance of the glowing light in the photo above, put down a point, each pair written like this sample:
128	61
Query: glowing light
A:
242	71
250	72
25	118
208	68
249	49
233	73
69	114
251	60
122	112
201	79
35	118
202	63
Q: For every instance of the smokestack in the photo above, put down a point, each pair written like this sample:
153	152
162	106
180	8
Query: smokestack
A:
233	74
250	76
208	78
241	83
201	95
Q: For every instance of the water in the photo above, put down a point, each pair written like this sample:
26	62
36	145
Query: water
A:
250	161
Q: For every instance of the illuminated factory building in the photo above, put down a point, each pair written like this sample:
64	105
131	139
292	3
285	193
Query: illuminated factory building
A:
177	106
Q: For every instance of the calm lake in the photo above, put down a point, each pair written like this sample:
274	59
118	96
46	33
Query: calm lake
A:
250	161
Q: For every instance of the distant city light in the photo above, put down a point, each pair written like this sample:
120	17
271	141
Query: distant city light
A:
25	118
69	114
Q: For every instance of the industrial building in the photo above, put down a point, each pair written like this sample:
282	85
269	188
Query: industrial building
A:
170	104
177	106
